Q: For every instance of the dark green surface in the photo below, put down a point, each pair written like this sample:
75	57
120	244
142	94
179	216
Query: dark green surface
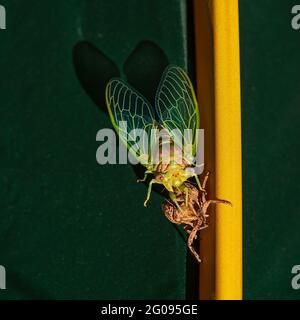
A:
270	115
70	228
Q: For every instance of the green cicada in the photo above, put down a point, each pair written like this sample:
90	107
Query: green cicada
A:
173	122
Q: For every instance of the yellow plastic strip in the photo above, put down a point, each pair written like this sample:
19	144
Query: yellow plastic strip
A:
218	91
228	149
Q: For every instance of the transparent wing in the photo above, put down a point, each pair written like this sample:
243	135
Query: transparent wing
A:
132	117
177	108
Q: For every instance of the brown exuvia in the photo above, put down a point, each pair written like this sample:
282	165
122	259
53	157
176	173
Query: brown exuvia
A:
193	213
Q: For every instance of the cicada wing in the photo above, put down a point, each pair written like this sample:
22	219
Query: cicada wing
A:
132	117
177	107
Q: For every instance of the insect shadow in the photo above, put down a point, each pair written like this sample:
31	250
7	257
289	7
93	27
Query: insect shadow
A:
94	69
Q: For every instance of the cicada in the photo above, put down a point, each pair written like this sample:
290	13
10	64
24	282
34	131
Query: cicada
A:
173	121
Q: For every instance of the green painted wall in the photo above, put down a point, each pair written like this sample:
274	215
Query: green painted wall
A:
70	228
270	116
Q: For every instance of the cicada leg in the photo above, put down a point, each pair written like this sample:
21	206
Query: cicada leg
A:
145	176
191	238
209	202
205	179
199	184
174	199
185	191
190	175
149	191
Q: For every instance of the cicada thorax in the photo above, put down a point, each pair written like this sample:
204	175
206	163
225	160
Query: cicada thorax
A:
170	163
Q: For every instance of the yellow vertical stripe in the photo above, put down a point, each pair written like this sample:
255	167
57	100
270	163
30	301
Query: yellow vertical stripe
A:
226	158
228	149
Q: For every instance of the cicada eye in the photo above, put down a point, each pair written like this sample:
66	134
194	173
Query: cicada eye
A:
159	177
